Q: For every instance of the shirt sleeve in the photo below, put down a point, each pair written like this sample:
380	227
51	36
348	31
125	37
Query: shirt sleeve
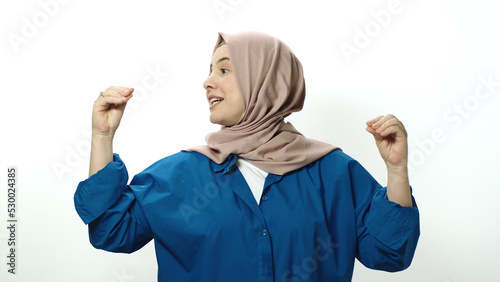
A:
387	232
106	203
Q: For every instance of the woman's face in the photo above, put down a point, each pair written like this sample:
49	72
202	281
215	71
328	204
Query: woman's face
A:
223	95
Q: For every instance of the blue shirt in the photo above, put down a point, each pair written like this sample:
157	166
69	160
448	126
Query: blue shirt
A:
310	224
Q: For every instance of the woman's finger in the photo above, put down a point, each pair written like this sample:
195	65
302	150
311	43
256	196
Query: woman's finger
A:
117	91
114	95
373	121
385	123
393	126
382	120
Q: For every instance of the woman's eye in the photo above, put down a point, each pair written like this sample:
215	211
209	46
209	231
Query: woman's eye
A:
224	71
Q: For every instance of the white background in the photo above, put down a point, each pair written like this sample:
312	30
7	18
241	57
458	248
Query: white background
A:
423	64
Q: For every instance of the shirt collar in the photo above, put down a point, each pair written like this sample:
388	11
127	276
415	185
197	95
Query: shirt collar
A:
227	165
230	163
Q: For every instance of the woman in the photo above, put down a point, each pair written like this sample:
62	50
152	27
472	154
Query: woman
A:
260	202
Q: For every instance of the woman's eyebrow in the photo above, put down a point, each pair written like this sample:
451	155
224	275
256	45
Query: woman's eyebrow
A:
220	60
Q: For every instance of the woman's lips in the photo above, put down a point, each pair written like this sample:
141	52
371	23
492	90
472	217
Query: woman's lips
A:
214	101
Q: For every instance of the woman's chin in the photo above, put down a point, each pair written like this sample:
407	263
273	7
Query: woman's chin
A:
220	122
216	120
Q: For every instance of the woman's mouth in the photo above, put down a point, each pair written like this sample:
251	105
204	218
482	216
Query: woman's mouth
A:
214	101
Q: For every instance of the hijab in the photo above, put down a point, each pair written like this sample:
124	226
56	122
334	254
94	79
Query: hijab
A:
271	81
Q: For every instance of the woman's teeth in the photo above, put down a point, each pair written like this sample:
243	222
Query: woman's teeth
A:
214	101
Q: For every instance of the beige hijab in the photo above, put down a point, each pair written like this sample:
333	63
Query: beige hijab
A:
272	84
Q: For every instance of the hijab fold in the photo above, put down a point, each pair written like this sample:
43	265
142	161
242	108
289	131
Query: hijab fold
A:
271	81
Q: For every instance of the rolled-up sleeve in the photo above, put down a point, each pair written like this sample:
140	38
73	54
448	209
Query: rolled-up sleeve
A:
391	223
115	219
389	237
97	193
387	232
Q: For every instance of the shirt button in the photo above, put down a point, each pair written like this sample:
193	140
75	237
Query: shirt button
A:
264	232
264	198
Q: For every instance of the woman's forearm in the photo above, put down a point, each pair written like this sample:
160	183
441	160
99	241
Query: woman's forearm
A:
101	152
398	186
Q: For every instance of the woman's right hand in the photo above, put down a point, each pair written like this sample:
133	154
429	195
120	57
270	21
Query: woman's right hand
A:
106	116
108	110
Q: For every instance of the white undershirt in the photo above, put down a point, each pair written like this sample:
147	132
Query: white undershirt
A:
254	176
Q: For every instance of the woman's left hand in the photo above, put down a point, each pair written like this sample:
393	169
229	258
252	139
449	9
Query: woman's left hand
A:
391	139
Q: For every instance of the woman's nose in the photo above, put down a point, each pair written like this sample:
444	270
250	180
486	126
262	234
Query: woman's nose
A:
209	83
